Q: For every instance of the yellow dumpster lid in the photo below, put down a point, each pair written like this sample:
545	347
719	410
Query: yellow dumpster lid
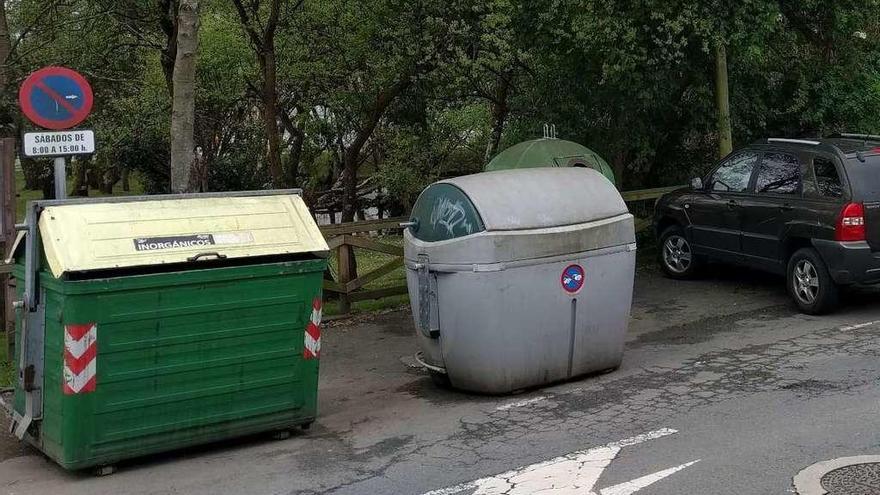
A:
83	236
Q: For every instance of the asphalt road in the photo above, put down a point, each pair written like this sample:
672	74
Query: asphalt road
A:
724	389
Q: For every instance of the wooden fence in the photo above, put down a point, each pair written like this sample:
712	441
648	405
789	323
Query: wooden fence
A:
7	234
348	287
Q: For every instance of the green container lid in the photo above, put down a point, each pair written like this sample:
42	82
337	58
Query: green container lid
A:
550	152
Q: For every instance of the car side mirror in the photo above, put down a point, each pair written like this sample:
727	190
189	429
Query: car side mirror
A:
697	184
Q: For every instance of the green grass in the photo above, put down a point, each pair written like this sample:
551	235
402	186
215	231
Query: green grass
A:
7	373
25	195
331	308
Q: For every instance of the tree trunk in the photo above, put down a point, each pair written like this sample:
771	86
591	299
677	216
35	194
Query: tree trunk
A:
183	105
295	147
722	100
499	111
126	176
5	49
34	172
168	23
94	177
352	155
618	165
5	46
295	155
262	36
198	176
48	187
80	186
270	114
111	177
349	186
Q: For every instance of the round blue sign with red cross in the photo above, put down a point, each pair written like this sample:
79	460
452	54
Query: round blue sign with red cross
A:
573	278
56	98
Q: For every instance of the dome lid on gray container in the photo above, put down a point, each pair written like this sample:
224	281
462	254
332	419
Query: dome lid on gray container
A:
511	200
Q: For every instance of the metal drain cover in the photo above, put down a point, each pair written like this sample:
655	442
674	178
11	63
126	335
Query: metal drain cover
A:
856	479
857	475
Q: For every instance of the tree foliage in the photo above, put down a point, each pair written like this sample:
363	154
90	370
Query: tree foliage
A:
395	93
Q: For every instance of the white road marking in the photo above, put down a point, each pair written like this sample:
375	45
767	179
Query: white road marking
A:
859	325
644	437
575	473
521	403
637	484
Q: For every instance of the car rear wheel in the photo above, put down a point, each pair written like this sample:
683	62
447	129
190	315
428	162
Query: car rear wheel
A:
677	259
810	284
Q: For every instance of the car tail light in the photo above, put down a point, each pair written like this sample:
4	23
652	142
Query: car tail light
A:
851	224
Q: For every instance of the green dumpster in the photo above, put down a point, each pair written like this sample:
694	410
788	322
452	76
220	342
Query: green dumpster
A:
154	323
550	152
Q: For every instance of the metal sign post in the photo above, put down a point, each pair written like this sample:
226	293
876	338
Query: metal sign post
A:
53	98
60	178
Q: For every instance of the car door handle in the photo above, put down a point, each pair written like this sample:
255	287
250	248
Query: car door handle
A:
786	208
732	204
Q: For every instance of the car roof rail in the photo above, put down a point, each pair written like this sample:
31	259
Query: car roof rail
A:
867	137
793	141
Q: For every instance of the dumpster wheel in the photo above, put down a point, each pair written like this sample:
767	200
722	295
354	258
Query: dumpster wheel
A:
438	374
104	470
441	380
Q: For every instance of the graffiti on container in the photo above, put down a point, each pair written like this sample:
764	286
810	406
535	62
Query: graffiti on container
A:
452	215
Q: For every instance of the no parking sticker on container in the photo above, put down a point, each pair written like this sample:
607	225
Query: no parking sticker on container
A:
573	278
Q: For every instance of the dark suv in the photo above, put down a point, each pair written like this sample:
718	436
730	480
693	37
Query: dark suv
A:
805	208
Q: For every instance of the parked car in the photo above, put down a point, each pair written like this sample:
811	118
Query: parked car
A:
805	208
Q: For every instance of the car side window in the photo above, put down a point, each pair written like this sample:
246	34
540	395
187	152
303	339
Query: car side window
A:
780	174
734	174
827	179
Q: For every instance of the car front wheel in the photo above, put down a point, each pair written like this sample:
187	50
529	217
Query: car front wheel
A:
676	257
810	284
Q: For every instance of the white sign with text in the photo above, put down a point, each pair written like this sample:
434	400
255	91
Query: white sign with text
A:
60	143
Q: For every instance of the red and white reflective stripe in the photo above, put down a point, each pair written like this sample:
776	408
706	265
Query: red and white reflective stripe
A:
80	358
312	349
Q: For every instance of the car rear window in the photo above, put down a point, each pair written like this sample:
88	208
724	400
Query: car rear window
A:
864	177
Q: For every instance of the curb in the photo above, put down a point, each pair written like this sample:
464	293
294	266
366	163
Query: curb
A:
809	480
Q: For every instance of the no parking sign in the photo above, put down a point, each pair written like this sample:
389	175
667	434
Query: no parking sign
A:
572	279
56	98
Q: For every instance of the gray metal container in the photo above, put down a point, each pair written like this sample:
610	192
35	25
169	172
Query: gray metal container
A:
519	278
